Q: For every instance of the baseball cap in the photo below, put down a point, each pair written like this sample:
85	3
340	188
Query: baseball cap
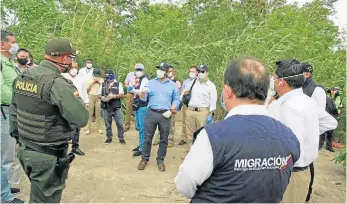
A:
203	67
96	72
139	67
163	66
60	46
306	67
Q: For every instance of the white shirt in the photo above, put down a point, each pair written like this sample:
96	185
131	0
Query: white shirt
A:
85	74
138	91
301	114
319	96
80	86
204	95
198	165
273	108
120	87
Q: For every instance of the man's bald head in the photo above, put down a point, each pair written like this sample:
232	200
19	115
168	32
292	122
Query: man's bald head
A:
248	78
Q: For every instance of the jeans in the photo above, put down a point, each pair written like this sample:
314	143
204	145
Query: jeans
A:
152	121
140	124
8	152
117	115
76	139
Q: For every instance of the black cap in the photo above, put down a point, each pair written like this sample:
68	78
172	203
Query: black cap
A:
109	71
164	66
203	67
96	72
307	67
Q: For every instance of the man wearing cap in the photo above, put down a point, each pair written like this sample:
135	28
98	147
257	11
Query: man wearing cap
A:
93	87
139	105
202	103
130	81
163	100
45	111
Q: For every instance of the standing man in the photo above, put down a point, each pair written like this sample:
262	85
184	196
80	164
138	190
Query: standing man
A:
8	73
202	104
163	100
248	157
193	73
86	72
139	106
110	94
171	76
45	111
82	91
93	87
23	59
302	115
130	81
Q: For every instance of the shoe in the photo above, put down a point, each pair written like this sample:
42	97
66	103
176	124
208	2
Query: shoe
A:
170	143
108	141
161	166
330	149
87	132
182	142
155	143
16	200
78	151
138	153
101	132
142	164
122	141
15	190
136	149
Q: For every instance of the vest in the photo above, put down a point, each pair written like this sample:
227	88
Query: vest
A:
114	89
39	121
309	86
253	157
137	101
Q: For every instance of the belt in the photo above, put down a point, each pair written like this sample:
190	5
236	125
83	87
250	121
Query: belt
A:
158	110
298	169
197	109
55	151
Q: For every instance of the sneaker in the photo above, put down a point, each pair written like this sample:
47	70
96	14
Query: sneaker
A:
101	132
330	149
15	190
182	142
170	143
161	166
138	153
108	141
16	200
136	149
87	132
122	141
155	143
78	151
142	165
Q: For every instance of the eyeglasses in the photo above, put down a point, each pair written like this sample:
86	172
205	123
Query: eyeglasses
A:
200	71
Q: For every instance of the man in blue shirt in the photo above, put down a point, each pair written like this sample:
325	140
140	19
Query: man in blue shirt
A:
163	99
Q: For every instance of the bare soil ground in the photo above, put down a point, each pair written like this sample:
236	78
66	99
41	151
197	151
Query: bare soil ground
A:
108	174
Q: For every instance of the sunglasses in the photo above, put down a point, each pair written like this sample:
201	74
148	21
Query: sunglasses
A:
201	71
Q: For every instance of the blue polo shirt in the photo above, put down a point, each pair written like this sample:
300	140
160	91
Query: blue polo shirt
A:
162	94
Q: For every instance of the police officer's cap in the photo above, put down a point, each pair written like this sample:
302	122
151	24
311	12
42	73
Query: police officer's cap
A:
60	46
203	67
96	72
164	66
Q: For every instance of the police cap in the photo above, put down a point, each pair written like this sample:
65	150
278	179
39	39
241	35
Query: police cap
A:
59	46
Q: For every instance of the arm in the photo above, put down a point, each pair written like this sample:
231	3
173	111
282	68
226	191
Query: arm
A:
143	84
6	93
320	97
13	118
175	100
65	96
197	166
127	80
144	94
213	98
120	93
326	122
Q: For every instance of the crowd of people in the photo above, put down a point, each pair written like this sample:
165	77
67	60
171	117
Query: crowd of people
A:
266	145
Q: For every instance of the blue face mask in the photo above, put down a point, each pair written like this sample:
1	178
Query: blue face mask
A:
111	77
222	102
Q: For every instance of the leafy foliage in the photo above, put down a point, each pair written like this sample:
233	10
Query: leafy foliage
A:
341	158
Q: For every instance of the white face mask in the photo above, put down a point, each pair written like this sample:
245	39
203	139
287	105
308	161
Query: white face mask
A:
89	65
14	49
138	74
202	75
73	72
160	74
192	75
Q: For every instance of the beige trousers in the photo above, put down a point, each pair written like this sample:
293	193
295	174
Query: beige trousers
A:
129	109
297	188
94	101
184	125
194	121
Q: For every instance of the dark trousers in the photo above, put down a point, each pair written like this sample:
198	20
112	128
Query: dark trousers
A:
311	182
152	121
76	139
117	115
329	142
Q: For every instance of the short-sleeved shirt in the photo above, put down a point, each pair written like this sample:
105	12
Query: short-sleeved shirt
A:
130	78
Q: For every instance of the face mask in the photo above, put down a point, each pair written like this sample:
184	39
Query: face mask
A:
202	75
89	65
192	75
14	49
22	61
160	74
170	75
73	72
67	67
138	74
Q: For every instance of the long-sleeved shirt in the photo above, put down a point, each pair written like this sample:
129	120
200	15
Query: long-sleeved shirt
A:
204	95
162	95
80	86
85	73
319	96
8	74
186	83
198	165
307	121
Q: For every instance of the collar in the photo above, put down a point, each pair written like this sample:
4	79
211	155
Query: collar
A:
49	65
290	94
6	60
248	110
167	80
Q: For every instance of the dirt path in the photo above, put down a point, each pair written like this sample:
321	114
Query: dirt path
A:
108	173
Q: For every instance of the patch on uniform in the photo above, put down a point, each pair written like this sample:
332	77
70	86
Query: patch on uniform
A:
28	88
266	163
76	94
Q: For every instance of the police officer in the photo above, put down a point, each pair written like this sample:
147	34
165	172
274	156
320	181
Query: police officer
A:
249	156
46	110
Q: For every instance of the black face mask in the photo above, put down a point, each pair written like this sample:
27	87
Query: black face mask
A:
67	67
22	61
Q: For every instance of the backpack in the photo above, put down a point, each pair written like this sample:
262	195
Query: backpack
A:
330	107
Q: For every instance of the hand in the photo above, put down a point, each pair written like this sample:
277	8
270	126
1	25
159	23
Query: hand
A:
96	82
145	89
173	109
167	114
209	119
86	105
186	92
104	99
130	88
111	96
